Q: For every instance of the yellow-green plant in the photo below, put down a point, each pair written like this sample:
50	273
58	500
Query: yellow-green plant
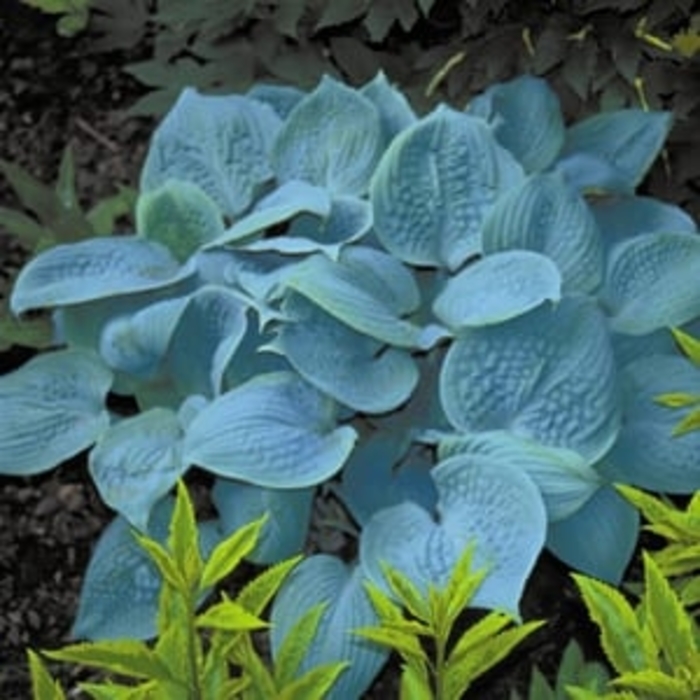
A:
439	669
72	14
199	655
653	647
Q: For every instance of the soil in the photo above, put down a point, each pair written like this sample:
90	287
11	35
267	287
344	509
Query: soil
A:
54	91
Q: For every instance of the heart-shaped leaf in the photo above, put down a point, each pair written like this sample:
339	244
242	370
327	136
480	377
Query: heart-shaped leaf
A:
326	580
332	139
481	501
52	408
136	462
496	288
395	112
222	144
545	215
94	269
650	282
526	117
434	186
275	431
548	375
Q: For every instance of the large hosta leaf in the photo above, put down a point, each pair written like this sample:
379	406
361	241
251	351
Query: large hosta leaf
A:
355	369
288	516
367	290
332	139
395	112
563	477
599	538
481	501
646	453
547	216
52	408
275	430
180	216
612	151
136	462
651	282
548	375
526	118
282	98
94	269
498	287
322	579
119	595
221	144
434	186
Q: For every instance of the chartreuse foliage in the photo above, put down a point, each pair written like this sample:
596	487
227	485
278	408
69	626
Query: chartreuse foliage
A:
420	628
206	655
653	647
459	320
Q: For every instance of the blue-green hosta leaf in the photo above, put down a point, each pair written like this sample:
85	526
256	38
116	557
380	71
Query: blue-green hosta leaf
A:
94	269
481	501
332	138
222	144
547	216
289	200
651	282
119	595
548	375
369	291
349	219
275	430
563	477
621	218
180	216
434	186
612	151
323	579
52	408
526	118
354	369
259	274
379	474
646	453
395	113
136	462
599	538
282	98
498	287
288	516
216	319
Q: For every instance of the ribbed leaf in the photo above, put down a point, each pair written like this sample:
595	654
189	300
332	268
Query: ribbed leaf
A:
613	150
655	684
599	538
221	144
495	505
180	216
546	216
288	515
325	579
52	408
526	118
548	375
282	98
136	462
94	269
434	186
275	430
230	617
44	687
497	288
650	282
332	139
395	113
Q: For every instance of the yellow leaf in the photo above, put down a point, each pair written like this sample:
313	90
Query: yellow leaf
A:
686	43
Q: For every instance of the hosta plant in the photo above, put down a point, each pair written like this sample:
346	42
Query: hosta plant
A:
208	655
454	322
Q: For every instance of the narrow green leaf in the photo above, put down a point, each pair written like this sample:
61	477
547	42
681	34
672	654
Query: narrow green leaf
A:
656	512
677	399
414	683
622	639
183	539
689	345
262	685
164	561
28	232
228	554
34	195
230	616
44	687
487	627
256	595
116	691
678	559
384	606
407	593
688	424
126	657
65	185
654	684
314	684
462	586
406	644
